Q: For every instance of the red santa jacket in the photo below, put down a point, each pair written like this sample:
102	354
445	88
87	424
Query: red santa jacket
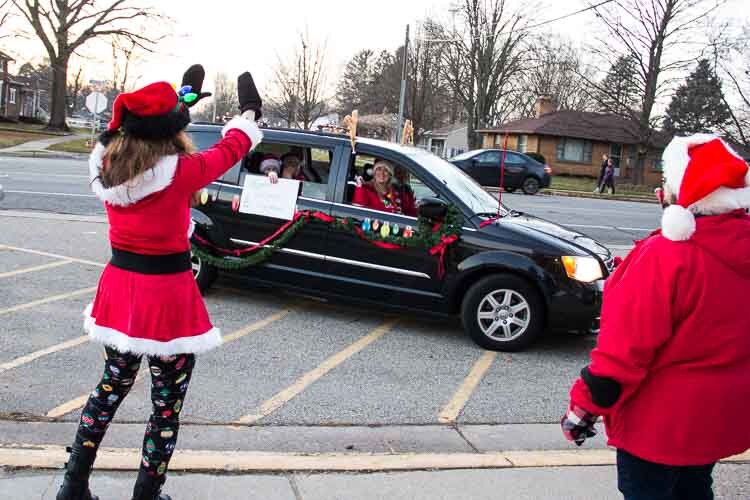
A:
399	201
158	314
675	337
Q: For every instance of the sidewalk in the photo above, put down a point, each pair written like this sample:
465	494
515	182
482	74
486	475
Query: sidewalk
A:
519	461
39	148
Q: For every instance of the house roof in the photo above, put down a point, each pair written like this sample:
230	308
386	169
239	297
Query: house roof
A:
580	125
3	55
447	130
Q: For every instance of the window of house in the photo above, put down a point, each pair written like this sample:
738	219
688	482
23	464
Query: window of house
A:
12	98
574	150
522	142
657	165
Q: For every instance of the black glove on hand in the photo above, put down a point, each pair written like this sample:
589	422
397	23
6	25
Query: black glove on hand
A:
194	78
248	95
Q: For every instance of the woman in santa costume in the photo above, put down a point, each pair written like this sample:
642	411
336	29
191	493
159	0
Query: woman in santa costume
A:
147	303
671	370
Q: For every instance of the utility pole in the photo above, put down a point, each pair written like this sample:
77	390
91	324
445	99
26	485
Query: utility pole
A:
403	87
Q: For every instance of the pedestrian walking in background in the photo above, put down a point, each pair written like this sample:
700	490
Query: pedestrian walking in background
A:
671	370
147	302
602	170
608	181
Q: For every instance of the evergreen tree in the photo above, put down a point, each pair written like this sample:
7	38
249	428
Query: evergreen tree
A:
354	87
698	105
619	92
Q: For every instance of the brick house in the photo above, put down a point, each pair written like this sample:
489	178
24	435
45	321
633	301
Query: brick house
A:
573	142
12	90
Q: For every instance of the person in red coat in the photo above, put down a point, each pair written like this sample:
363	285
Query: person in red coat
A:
147	303
379	193
671	370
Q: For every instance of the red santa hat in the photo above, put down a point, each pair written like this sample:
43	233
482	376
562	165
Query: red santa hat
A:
707	177
269	162
152	112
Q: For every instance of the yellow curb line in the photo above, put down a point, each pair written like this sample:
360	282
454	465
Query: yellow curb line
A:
53	457
308	378
454	407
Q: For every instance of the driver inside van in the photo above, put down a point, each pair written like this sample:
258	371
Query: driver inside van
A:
380	194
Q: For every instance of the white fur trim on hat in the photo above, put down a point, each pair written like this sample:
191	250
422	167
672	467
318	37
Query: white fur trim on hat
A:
269	164
676	158
153	180
677	223
249	127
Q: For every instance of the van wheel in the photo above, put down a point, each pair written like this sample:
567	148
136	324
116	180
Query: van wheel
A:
502	312
204	273
530	185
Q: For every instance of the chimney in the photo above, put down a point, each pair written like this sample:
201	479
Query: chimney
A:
544	105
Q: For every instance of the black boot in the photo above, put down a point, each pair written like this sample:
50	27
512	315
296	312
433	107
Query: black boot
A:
77	470
149	487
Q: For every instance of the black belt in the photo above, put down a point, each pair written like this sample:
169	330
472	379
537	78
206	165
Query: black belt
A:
151	264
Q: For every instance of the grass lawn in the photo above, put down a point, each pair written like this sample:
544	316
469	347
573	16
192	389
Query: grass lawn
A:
74	146
8	138
587	184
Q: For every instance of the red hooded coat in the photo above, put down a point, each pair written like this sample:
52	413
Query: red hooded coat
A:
675	334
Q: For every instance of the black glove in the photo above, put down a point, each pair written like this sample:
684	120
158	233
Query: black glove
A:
248	95
194	78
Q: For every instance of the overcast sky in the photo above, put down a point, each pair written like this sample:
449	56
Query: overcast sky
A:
233	36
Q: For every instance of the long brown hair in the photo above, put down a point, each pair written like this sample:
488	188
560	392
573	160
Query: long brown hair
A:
127	157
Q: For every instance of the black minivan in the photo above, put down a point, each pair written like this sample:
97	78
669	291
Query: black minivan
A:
521	171
508	279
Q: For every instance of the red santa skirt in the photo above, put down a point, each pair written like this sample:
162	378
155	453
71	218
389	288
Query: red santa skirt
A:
152	314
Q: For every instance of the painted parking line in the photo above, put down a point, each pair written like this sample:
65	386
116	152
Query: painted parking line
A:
48	254
35	268
43	352
450	412
47	300
128	459
80	401
329	364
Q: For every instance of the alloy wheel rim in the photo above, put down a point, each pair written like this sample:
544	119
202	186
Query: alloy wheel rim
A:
195	264
531	185
503	315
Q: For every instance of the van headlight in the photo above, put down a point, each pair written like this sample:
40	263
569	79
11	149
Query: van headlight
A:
585	269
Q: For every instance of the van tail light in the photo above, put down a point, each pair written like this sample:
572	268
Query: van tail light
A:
547	169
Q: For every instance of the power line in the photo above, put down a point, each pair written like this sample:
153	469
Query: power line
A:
527	28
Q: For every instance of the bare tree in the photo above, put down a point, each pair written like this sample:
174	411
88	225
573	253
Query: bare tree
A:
5	14
225	96
298	95
427	94
554	68
481	60
125	54
658	36
64	26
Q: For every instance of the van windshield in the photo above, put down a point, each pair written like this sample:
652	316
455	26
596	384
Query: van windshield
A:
464	187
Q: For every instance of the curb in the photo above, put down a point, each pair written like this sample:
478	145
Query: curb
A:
128	459
32	131
584	194
44	154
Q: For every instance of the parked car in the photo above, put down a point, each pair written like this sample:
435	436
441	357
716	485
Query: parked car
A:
521	171
508	280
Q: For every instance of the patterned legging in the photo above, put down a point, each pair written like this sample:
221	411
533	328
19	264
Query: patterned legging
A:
170	376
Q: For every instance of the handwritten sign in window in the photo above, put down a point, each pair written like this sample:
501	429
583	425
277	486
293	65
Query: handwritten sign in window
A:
260	197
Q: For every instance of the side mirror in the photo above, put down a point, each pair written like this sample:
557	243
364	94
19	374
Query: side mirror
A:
432	208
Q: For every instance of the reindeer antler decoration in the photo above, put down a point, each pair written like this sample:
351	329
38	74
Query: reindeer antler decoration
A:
350	122
407	135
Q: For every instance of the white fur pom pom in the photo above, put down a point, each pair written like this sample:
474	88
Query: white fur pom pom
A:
677	223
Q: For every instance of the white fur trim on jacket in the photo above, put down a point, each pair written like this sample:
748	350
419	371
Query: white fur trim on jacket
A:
149	182
677	223
249	127
125	343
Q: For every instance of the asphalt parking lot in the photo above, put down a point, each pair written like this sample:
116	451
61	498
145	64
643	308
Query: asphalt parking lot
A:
287	360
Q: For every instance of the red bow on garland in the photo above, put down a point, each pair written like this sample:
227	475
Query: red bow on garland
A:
440	249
